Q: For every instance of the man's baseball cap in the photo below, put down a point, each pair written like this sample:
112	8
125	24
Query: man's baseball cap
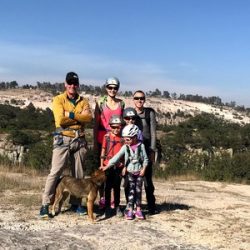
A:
72	78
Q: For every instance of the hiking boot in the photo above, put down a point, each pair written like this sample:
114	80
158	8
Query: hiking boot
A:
81	210
129	215
139	215
44	211
108	213
153	211
118	212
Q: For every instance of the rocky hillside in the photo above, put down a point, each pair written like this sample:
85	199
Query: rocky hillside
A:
169	111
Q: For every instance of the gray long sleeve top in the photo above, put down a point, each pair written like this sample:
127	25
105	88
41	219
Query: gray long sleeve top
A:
135	161
148	130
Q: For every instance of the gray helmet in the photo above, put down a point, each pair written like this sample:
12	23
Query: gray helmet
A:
112	81
129	112
130	130
115	119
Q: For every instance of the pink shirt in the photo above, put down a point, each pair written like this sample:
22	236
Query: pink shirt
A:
104	120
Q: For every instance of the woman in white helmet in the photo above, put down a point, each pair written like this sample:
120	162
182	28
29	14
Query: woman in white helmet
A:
135	164
106	106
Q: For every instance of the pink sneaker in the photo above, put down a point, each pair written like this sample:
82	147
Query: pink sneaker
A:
129	215
139	215
102	203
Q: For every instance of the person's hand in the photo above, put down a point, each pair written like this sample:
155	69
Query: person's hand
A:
142	172
103	168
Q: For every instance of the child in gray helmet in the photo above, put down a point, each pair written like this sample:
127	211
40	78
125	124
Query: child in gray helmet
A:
129	116
112	143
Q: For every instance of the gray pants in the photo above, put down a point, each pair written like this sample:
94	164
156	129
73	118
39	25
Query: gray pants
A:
65	149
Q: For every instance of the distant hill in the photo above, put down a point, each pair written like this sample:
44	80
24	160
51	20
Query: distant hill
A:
169	111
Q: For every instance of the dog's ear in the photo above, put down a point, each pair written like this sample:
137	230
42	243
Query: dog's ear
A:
97	173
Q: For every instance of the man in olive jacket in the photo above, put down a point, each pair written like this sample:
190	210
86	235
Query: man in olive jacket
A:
71	112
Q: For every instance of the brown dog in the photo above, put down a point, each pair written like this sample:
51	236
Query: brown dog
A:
80	188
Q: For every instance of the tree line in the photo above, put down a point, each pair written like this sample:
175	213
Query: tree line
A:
100	90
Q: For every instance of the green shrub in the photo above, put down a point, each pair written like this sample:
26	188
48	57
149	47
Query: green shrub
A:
39	155
241	167
92	161
218	169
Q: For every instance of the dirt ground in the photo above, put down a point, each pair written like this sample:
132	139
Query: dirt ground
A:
193	215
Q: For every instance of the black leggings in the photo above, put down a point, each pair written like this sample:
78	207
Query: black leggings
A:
113	181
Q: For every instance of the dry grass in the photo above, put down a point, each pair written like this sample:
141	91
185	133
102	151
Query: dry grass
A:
26	200
187	177
19	179
22	170
20	186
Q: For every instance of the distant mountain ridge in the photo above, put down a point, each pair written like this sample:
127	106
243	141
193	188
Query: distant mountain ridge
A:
169	111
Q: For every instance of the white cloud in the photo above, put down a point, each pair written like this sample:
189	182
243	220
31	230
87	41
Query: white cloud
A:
29	64
36	63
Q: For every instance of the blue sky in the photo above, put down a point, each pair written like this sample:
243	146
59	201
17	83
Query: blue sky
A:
183	46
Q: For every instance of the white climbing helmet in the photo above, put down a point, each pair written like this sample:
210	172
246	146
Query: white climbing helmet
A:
112	81
130	130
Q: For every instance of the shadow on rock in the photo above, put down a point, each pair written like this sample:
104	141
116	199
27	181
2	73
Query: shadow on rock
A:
172	206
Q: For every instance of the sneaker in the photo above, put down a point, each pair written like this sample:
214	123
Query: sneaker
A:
102	203
81	210
118	212
129	215
139	215
44	211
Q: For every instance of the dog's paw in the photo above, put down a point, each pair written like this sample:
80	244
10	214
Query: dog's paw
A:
92	219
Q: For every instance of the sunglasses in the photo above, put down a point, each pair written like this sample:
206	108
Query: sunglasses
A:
129	118
112	88
115	127
142	98
73	83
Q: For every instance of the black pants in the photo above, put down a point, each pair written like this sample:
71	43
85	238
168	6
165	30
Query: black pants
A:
149	187
113	181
